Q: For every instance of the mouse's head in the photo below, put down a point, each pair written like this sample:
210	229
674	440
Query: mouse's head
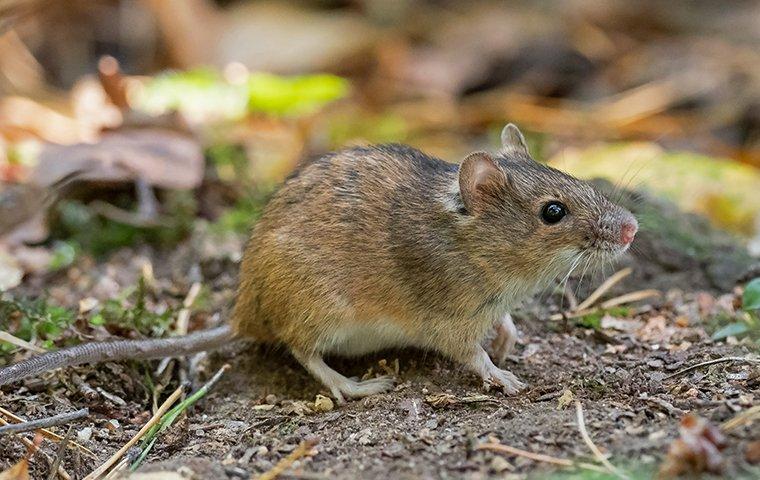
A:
527	217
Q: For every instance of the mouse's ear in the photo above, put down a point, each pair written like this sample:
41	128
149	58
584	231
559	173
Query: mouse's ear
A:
480	180
512	140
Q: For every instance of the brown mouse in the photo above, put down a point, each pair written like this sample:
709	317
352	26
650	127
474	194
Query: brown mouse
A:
378	247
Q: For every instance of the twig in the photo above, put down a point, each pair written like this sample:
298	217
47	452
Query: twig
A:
7	337
747	416
54	437
590	444
302	450
60	453
629	298
153	420
183	318
498	447
167	420
45	422
32	447
712	362
604	287
612	302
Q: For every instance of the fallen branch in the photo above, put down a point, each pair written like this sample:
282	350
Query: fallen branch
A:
712	362
53	421
590	443
98	472
302	450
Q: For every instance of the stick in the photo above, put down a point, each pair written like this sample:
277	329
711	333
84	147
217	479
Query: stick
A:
33	448
183	318
303	449
590	444
154	419
45	422
54	437
613	302
498	447
745	417
60	453
7	337
712	362
604	287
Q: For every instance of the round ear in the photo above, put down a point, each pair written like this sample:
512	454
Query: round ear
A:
480	179
512	139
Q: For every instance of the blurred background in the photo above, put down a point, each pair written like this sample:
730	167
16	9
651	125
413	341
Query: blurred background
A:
148	120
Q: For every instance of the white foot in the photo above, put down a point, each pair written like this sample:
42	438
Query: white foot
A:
340	386
506	337
492	375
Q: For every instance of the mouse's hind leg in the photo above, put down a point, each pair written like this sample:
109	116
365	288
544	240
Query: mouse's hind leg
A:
339	385
506	337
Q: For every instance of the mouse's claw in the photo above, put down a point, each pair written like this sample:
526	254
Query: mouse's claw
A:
504	379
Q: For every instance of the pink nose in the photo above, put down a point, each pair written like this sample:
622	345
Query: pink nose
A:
627	232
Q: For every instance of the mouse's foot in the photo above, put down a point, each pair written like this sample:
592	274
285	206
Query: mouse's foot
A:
341	387
492	375
506	337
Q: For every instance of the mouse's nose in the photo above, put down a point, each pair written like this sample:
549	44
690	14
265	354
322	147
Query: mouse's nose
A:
628	231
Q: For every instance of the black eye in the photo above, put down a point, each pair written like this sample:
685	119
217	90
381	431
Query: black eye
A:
553	212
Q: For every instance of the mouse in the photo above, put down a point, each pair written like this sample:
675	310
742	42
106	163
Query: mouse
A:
378	247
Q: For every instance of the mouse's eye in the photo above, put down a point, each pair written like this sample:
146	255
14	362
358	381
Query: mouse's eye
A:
553	212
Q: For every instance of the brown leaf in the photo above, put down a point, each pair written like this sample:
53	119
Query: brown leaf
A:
160	157
19	471
697	449
752	452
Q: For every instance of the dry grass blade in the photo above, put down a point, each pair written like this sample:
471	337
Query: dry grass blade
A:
712	362
612	302
303	449
98	472
498	447
630	298
45	422
183	318
54	437
744	418
60	453
7	337
604	288
590	443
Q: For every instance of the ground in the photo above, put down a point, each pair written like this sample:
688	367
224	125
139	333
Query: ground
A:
624	368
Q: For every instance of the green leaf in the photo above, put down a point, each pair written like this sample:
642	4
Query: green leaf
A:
731	330
751	298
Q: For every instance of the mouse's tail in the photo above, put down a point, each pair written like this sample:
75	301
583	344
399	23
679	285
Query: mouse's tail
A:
117	350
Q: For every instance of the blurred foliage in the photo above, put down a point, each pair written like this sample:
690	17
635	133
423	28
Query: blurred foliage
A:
33	320
746	322
83	229
723	190
129	311
594	320
377	128
205	92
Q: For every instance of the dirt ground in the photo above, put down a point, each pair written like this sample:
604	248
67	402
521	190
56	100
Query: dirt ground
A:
625	372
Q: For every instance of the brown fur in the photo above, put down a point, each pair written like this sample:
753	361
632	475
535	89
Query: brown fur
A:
383	237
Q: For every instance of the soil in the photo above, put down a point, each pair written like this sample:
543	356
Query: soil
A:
624	372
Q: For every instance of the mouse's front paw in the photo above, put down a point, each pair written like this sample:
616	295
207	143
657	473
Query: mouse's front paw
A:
503	379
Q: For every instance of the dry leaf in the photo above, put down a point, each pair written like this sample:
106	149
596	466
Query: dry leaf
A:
697	449
566	399
20	471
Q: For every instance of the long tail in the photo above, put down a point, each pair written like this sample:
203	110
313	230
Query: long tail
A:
118	350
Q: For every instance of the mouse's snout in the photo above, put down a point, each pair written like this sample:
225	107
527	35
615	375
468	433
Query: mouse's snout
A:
628	231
